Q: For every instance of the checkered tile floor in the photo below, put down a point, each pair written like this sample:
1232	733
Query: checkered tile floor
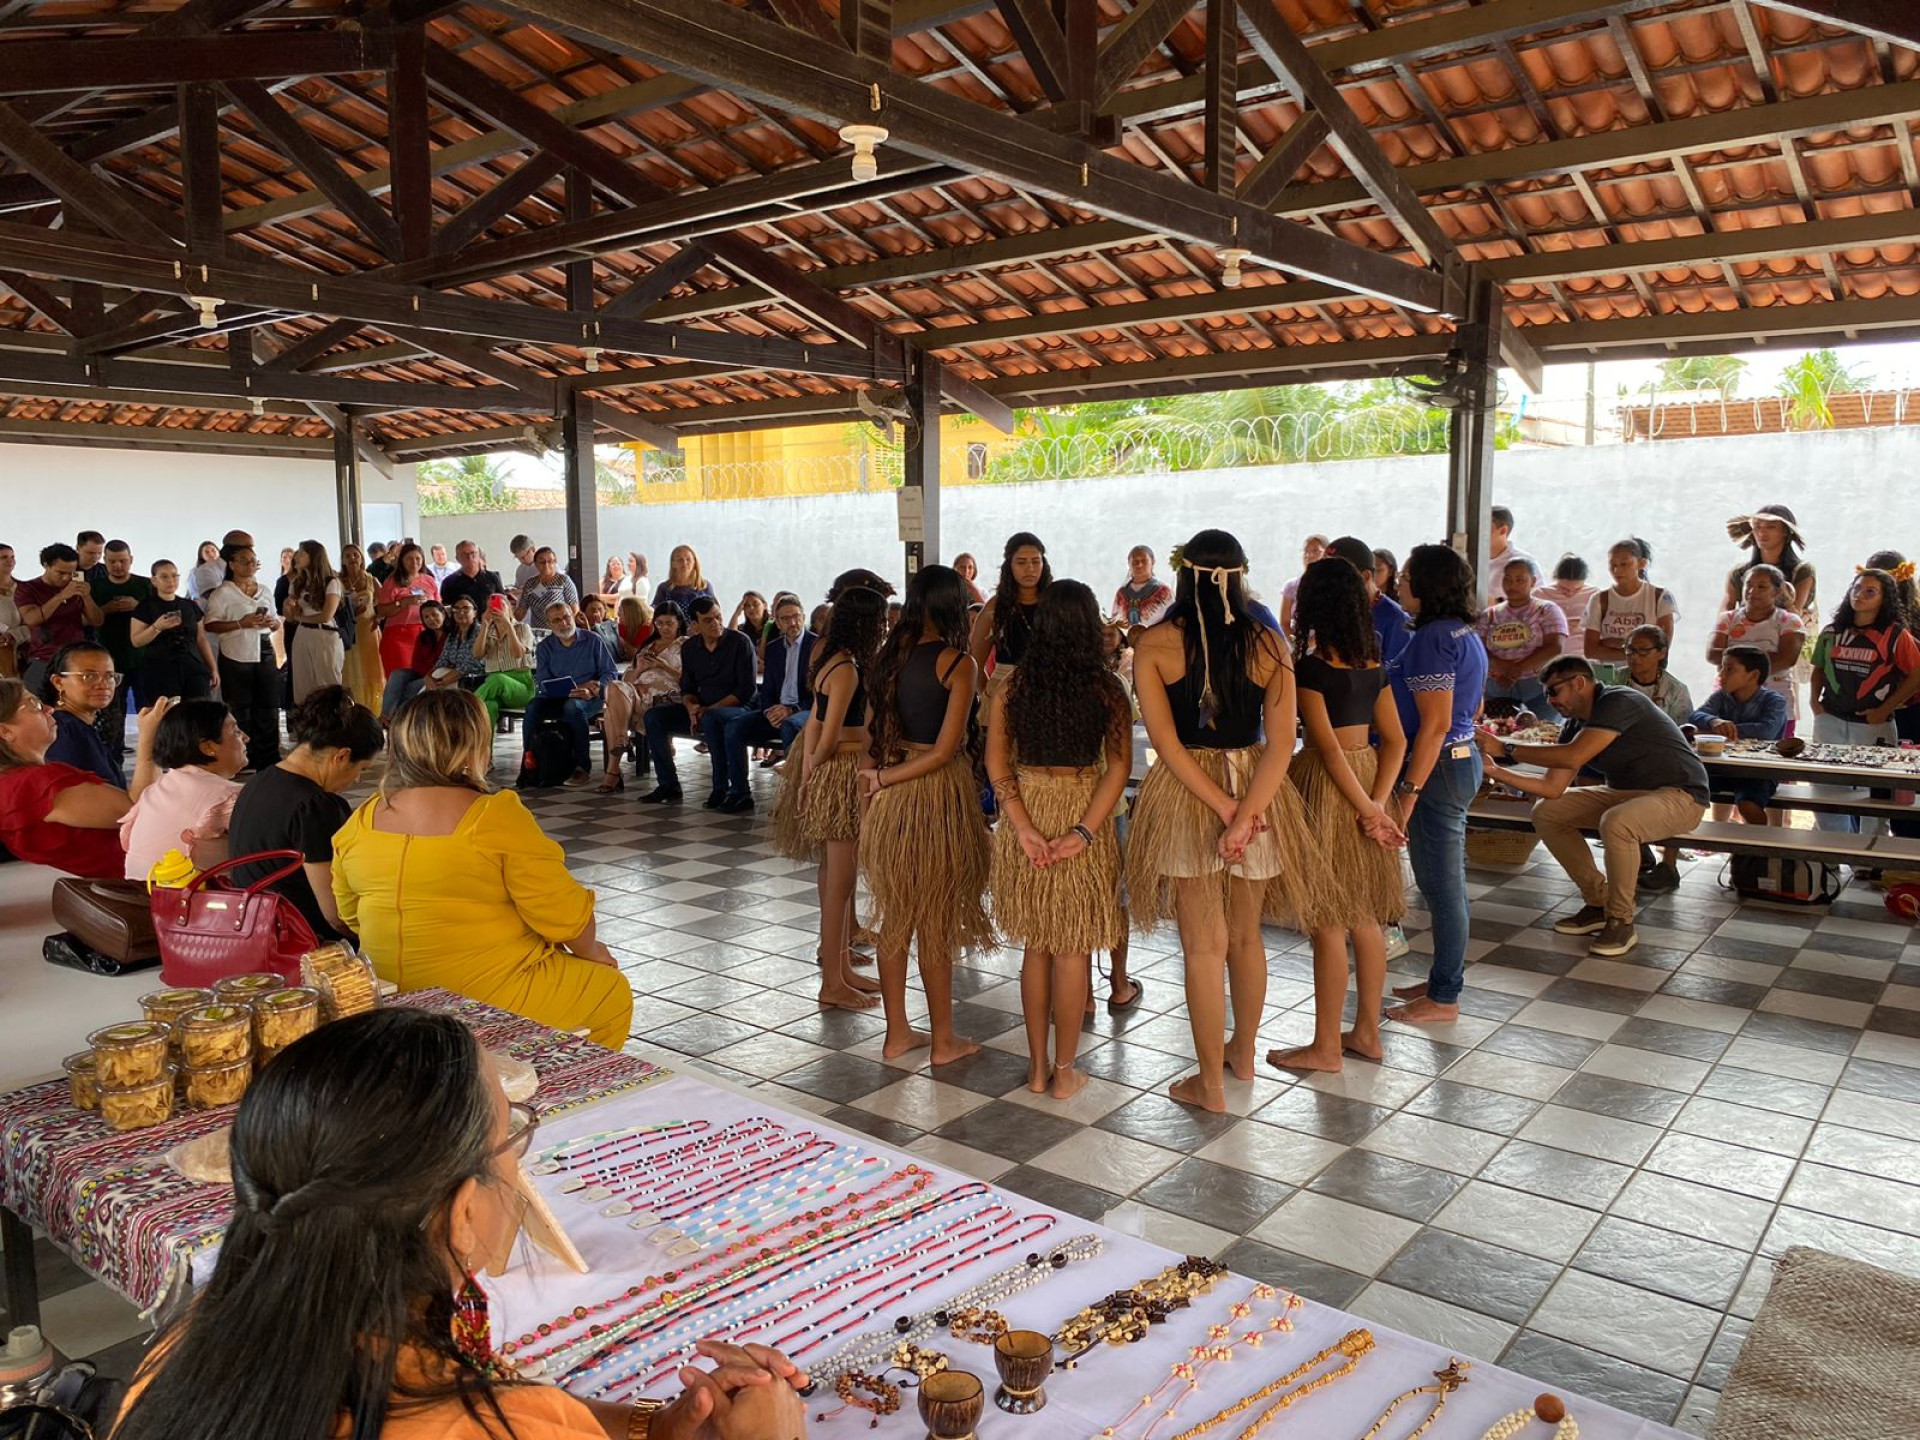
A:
1583	1178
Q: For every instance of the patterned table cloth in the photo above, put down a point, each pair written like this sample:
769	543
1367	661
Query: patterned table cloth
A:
131	1221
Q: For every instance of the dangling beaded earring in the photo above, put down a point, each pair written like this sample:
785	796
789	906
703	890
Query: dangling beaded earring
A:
473	1333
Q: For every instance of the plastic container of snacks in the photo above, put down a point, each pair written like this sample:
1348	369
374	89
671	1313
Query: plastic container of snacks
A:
167	1006
82	1083
216	1035
211	1086
245	989
283	1016
139	1106
343	977
131	1053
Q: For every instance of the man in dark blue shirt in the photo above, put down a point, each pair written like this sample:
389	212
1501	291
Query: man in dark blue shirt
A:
777	714
716	673
1743	708
571	671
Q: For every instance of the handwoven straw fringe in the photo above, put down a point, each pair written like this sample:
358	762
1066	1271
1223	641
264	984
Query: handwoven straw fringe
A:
1366	884
923	850
1174	835
1070	908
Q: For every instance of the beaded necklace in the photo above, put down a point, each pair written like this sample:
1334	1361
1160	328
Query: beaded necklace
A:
558	1157
1354	1345
1550	1408
1124	1316
1445	1382
869	1351
912	1178
945	1253
1219	1348
606	1335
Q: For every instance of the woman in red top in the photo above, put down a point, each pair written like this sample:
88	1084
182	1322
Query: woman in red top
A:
398	603
1866	666
54	814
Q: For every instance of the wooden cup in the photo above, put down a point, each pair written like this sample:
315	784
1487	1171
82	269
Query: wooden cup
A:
1024	1359
950	1404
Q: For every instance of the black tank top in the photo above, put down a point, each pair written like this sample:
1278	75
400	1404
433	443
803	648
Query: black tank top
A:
1350	694
922	698
1013	644
1224	734
856	717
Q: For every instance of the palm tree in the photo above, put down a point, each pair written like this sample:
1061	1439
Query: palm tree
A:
1703	372
1807	383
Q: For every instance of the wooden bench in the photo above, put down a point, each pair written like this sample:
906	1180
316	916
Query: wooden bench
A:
1832	847
1801	797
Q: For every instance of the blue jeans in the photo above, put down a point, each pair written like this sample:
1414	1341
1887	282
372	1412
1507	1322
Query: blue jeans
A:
1527	693
402	686
663	722
730	731
574	714
1738	792
1437	847
1836	730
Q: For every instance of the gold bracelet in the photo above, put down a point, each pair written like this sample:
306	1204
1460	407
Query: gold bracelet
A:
640	1418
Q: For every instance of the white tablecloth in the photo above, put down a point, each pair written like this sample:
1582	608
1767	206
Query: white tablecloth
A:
1110	1380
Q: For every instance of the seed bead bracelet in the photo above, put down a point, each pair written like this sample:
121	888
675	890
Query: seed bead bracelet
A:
762	1204
876	1214
869	1351
770	1266
700	1188
688	1152
586	1146
1445	1382
911	1180
1354	1346
666	1173
1549	1408
865	1392
967	1245
732	1316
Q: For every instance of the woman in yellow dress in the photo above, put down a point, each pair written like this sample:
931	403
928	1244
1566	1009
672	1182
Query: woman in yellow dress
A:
452	885
363	673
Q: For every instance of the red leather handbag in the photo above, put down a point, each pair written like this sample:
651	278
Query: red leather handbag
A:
211	929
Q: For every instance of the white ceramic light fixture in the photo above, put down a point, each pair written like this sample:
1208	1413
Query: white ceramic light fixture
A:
1230	262
209	308
591	354
864	139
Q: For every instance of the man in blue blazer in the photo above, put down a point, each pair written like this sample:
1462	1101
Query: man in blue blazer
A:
780	709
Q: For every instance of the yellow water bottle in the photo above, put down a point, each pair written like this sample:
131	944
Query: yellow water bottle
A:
173	872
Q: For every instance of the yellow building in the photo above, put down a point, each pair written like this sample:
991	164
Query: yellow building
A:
803	460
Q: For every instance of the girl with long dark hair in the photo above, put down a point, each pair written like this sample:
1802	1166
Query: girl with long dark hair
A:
1866	666
817	817
1346	787
1001	630
314	597
1630	602
1438	682
1218	838
346	1302
1059	752
1772	536
923	845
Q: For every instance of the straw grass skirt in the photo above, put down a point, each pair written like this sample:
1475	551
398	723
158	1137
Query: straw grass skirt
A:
1072	908
924	852
825	808
1176	836
1367	887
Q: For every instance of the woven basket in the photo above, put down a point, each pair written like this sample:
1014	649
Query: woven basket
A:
1500	847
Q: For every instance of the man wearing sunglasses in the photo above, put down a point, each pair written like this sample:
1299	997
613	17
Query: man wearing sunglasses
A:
1656	788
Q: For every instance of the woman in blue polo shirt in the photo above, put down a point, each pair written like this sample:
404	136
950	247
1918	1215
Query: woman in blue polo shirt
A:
1438	680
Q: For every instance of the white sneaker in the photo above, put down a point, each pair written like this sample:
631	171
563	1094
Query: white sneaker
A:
1397	942
578	780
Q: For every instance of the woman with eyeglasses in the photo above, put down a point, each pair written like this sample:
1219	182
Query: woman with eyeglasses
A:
451	884
80	684
52	813
347	1301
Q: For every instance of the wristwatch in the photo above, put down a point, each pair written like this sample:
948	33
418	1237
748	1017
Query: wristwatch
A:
1406	787
640	1421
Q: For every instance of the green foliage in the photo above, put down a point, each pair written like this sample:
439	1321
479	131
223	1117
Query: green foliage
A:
1808	382
467	486
1704	372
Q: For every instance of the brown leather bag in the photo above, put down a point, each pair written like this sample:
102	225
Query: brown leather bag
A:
113	917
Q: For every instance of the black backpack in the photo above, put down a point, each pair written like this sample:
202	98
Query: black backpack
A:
547	760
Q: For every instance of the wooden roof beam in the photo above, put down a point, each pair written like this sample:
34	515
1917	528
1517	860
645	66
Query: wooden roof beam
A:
744	54
159	437
45	66
266	284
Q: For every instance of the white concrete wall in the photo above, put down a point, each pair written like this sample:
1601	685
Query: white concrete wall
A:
164	504
1849	489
